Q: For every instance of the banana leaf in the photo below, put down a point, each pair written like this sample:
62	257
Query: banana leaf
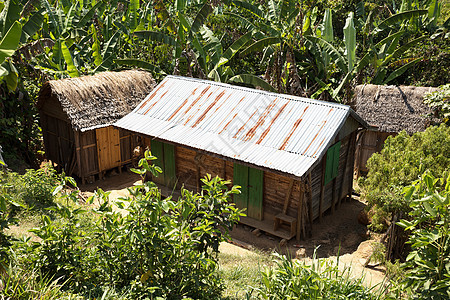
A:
260	45
252	80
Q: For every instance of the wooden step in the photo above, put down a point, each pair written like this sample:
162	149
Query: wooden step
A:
283	218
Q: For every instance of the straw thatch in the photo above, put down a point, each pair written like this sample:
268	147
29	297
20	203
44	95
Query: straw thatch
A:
99	100
393	108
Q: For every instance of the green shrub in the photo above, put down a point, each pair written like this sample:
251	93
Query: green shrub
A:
403	159
428	264
160	247
293	279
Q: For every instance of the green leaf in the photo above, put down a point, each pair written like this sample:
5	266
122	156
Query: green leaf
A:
401	50
260	45
327	33
248	25
12	77
400	17
133	7
234	48
201	16
429	209
401	70
250	7
157	37
253	81
71	68
140	64
96	47
350	41
32	26
10	15
90	13
339	60
10	41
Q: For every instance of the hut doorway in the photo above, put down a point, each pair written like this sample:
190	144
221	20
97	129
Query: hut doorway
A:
251	196
108	147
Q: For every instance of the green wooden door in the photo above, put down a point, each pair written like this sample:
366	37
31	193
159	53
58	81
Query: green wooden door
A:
240	177
165	154
157	150
332	163
170	176
251	196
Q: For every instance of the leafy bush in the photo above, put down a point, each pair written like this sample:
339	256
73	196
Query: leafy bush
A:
428	264
160	247
403	159
293	279
440	102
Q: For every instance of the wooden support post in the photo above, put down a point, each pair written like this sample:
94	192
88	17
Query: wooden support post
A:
197	177
350	182
300	211
333	196
322	188
288	196
310	204
344	176
78	154
224	170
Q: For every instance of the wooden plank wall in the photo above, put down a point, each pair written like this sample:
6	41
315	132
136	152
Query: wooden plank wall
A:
276	188
59	141
341	185
187	161
370	142
89	157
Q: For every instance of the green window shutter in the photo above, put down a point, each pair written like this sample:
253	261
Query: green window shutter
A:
240	177
255	195
332	162
337	150
169	165
157	150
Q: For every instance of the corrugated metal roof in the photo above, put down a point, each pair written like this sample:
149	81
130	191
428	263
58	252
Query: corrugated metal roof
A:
276	131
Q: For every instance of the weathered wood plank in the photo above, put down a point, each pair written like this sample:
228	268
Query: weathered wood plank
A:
255	194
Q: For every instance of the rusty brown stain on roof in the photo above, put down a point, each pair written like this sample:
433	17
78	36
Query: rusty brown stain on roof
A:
182	104
243	126
266	131
318	147
203	115
251	133
231	111
151	106
293	129
226	125
323	124
198	109
197	99
163	83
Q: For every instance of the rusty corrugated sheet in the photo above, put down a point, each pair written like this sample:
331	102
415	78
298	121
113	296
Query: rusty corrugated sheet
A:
275	131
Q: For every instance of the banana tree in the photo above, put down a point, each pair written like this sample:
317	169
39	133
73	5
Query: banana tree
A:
277	31
379	57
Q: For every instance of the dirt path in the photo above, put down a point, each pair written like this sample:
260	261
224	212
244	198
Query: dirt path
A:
336	234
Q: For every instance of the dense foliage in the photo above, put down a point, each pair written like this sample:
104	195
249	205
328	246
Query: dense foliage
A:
144	245
403	159
428	264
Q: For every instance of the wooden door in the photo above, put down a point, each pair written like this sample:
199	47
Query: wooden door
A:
165	154
108	147
251	196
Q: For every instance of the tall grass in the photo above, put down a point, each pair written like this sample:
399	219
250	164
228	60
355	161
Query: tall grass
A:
322	279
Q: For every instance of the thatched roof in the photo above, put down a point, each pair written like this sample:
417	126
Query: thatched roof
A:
99	100
393	108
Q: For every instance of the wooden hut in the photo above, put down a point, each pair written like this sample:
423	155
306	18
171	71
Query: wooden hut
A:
388	110
76	117
293	157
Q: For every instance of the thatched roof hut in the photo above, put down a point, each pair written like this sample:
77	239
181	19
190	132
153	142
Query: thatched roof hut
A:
97	101
393	108
76	117
389	110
